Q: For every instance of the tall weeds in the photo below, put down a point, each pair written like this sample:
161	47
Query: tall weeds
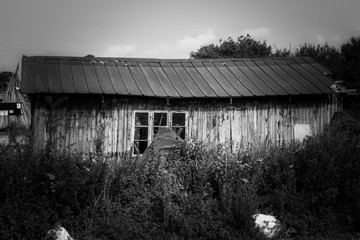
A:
196	192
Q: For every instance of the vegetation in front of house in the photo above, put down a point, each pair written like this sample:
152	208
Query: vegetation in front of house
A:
198	192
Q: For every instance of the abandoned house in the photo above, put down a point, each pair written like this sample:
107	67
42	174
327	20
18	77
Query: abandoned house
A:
118	104
14	107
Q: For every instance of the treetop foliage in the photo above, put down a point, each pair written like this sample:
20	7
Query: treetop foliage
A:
243	47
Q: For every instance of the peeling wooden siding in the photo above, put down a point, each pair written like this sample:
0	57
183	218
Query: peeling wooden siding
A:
80	121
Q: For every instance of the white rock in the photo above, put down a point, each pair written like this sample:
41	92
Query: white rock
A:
267	224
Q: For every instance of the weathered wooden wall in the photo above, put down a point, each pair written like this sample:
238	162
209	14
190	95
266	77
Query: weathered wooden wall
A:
75	123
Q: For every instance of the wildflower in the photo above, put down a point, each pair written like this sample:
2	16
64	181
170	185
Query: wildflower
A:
50	176
245	180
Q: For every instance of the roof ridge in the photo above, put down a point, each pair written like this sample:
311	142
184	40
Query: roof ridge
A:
135	59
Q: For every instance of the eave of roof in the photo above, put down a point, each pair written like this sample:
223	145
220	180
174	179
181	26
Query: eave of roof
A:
175	78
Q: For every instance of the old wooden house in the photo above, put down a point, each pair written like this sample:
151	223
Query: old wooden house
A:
117	104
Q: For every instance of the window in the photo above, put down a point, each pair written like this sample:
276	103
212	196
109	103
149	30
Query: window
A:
160	119
141	134
147	125
178	124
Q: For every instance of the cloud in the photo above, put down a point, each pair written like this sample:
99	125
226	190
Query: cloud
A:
120	51
336	38
180	48
193	43
320	39
158	51
262	32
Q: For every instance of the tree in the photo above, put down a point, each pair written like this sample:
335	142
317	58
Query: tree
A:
351	58
326	55
4	79
243	47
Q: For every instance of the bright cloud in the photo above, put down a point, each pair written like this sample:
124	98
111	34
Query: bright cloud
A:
181	48
320	39
178	49
336	38
120	51
193	43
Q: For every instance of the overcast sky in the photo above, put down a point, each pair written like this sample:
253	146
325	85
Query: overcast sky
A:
165	28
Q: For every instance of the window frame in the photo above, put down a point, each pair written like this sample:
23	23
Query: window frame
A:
134	128
151	134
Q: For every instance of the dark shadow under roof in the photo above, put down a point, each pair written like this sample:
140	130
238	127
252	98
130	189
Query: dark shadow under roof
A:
175	78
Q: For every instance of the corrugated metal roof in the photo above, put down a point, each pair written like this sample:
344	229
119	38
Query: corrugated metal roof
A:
185	78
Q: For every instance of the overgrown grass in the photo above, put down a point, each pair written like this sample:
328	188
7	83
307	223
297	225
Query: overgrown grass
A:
197	192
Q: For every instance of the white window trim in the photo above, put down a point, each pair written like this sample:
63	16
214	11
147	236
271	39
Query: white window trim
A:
151	124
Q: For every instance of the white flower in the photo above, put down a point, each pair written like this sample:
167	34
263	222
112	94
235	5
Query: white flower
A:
50	176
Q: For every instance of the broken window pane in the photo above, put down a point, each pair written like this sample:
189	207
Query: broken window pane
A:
180	131
141	133
140	147
141	119
178	124
178	119
160	119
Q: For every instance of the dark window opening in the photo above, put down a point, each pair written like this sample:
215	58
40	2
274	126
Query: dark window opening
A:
160	119
141	132
178	124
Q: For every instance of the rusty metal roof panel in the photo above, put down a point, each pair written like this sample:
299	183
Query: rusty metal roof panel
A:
284	75
53	76
316	65
104	79
67	81
153	81
28	75
217	74
40	78
236	83
174	78
116	79
79	77
307	76
214	83
301	84
263	75
315	71
188	81
203	85
165	82
247	83
248	71
128	80
271	70
177	82
322	81
91	78
140	80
